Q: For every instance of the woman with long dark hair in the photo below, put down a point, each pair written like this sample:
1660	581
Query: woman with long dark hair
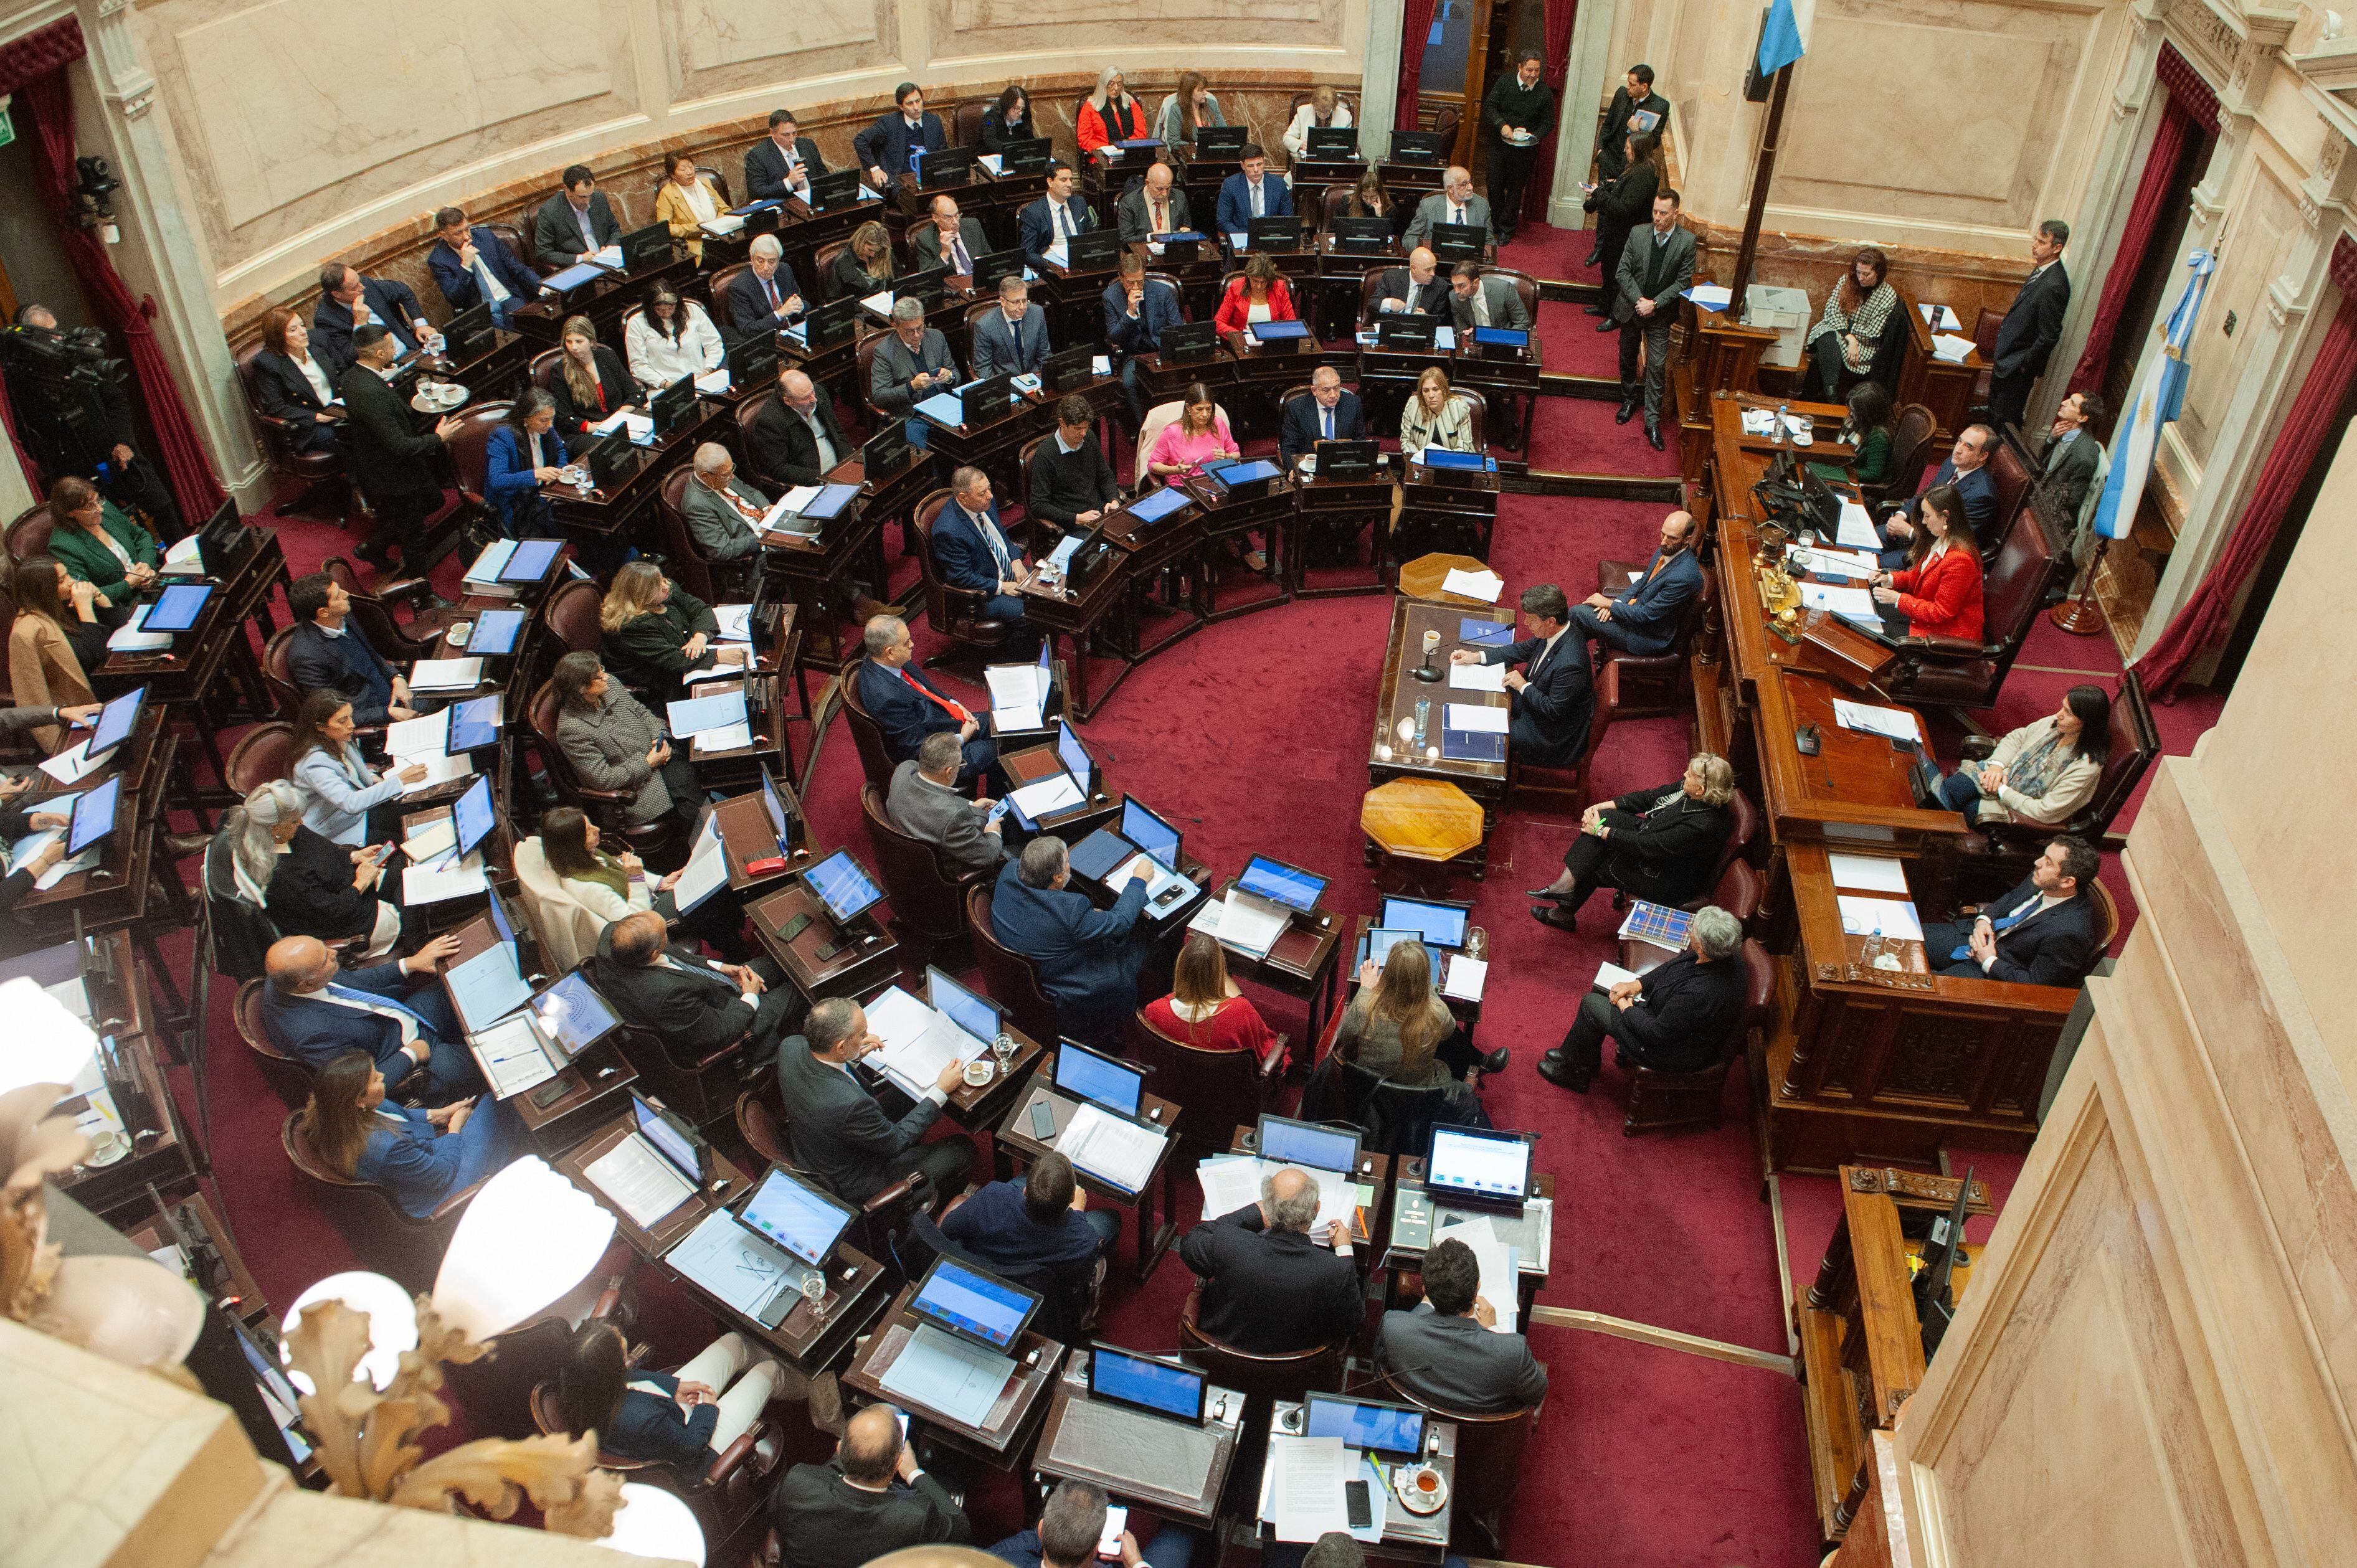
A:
1009	120
324	761
1866	430
678	1418
1938	589
1621	207
2042	772
1843	341
420	1158
670	338
60	632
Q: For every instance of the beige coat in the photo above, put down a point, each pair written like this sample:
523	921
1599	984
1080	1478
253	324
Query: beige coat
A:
43	672
2072	787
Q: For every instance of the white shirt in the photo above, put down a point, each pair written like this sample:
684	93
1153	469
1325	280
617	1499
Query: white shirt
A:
1256	313
1480	305
494	290
826	457
656	360
317	377
361	1002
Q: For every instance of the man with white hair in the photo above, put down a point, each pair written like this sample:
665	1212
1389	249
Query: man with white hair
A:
1268	1288
1674	1018
1454	202
762	298
908	706
911	365
722	511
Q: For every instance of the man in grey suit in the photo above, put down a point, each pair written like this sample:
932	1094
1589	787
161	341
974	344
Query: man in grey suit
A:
722	511
838	1132
1156	207
924	804
950	239
2074	451
911	365
1454	202
1013	339
1447	1353
1485	300
1654	272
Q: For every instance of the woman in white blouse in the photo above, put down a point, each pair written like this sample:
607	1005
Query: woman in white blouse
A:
609	887
1324	110
686	200
340	788
1435	416
670	339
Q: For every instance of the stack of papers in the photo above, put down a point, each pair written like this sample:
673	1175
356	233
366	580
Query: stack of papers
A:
1475	720
1484	585
439	770
706	871
1248	925
1499	1260
183	560
1949	348
609	257
1018	695
511	1056
992	162
1655	923
727	738
129	639
417	738
1230	1182
1856	566
940	1372
433	884
919	1042
1856	529
1840	601
1111	1148
735	622
1711	296
1898	723
1869	872
1477	677
713	382
727	224
731	1261
1305	1477
641	426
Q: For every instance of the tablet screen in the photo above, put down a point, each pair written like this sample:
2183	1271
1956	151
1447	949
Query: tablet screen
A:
93	815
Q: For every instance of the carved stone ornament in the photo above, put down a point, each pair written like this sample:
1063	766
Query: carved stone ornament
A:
33	1144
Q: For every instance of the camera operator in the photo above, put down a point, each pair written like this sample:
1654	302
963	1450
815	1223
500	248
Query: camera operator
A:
67	391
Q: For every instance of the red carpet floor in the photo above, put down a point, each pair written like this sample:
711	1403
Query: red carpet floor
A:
1643	1456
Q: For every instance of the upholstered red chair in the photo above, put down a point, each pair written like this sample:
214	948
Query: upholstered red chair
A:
1654	685
315	471
725	1494
383	1236
260	755
1489	1459
1911	447
288	1079
958	614
927	894
763	1125
396	641
1222	1090
866	735
607	807
1537	786
1949	671
1261	1379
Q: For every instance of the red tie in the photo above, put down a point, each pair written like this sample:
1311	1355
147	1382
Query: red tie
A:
953	709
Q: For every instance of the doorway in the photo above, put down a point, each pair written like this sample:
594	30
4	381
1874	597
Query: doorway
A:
1469	45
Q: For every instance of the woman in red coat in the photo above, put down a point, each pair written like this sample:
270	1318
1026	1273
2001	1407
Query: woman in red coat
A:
1939	591
1259	295
1110	115
1204	1009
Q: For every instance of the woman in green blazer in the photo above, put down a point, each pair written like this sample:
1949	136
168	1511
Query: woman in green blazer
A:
98	544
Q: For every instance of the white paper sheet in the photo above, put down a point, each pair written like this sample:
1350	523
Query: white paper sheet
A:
74	764
1476	720
418	738
609	257
1230	1181
436	839
706	871
1711	296
1483	585
439	770
881	302
1110	1147
432	885
446	674
715	671
1869	872
1609	975
1949	348
1017	694
1207	917
1477	677
714	382
1897	723
638	424
511	1056
1841	601
129	639
642	1183
1842	563
1250	925
1466	978
1054	794
735	622
942	1373
731	1261
727	738
1856	529
1305	1477
1883	917
1102	365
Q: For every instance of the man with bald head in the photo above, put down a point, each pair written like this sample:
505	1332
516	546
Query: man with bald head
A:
1156	207
1415	289
722	511
1268	1288
869	1499
1644	617
698	1005
313	1013
796	437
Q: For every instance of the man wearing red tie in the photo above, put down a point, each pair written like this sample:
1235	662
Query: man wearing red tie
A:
908	706
1156	207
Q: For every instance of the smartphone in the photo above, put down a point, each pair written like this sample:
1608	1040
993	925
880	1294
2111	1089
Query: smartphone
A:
1116	1520
1043	1120
549	1093
1362	1507
794	928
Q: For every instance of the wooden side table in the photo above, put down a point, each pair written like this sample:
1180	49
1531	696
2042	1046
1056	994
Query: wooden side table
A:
1417	830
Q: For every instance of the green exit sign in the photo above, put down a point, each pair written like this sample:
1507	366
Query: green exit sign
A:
8	128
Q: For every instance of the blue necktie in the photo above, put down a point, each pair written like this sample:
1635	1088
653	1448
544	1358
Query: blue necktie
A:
2000	926
372	1001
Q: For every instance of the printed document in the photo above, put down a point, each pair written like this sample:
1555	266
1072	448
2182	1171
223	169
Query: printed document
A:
642	1183
1483	585
942	1373
1477	677
1869	872
1111	1148
1475	720
1305	1480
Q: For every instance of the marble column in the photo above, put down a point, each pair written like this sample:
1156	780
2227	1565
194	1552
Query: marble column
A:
1585	89
1379	92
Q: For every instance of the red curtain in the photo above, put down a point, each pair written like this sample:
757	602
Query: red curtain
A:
47	103
2145	212
2204	617
1557	54
1415	31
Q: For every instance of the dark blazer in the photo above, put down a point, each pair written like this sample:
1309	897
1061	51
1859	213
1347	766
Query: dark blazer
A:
1136	220
645	651
847	279
347	664
840	1135
388	299
2070	469
1270	1292
1234	209
699	1016
1084	958
747	311
1550	715
415	1164
315	1032
1978	489
1615	129
996	134
928	242
825	1521
893	366
1457	1364
886	144
1636	262
1157	311
994	1225
1432	299
574	416
457	282
961	554
286	393
556	231
391	456
509	486
2033	323
904	717
1681	1015
653	1427
1649	609
784	451
1035	226
1664	855
2055	948
765	168
1304	426
995	350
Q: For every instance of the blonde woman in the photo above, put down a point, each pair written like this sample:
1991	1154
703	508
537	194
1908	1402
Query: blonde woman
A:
863	266
656	631
1435	416
588	382
686	200
1661	843
1397	1025
1324	110
1205	1009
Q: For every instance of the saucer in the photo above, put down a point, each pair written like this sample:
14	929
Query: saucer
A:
1418	1502
980	1070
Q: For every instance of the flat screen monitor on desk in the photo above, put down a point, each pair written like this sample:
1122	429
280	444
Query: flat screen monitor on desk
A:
843	885
646	247
1147	1382
1333	142
797	1216
1468	1164
1068	369
93	815
1028	155
1346	459
832	188
531	559
1364	1424
116	720
1376	946
1276	232
475	722
831	323
1407	334
976	1306
886	450
571	1013
473	816
987	398
176	607
1458	242
1362	235
991	265
496	632
752	362
944	166
927	285
1075	757
1189	342
1440	925
1291	1143
1092	1075
1297	889
468	334
674	406
1149	832
1093	248
976	1014
1418	146
1221	141
679	1145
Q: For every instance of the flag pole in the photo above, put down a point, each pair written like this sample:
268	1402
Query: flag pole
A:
2082	616
1739	283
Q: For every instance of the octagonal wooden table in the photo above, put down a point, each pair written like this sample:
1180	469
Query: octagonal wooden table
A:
1421	578
1419	831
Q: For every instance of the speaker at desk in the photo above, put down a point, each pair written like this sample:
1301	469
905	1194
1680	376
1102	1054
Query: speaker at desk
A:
1417	147
1276	234
1191	342
1458	242
944	166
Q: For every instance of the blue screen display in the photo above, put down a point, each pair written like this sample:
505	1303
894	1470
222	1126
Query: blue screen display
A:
1387	1429
574	1015
1440	925
1292	1143
474	723
530	561
496	631
841	885
1140	1380
499	921
795	1218
959	1297
176	607
668	1141
978	1016
117	720
474	816
1151	833
93	815
1101	1079
776	807
1153	508
1074	755
1282	883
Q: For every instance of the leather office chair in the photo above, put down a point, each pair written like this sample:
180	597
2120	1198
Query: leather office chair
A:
927	894
607	807
748	413
1446	119
1737	891
288	1079
867	339
1261	1379
542	369
973	319
712	580
509	235
968	115
1526	289
260	755
396	641
1222	1090
28	535
767	1131
1911	448
1489	1459
1011	979
1998	856
311	470
279	673
956	613
241	933
1332	203
1984	331
1659	1101
701	1086
567	929
572	615
2011	475
822	263
1067	1292
1370	283
1653	685
720	279
382	1234
1948	671
866	735
470	448
1535	786
1150	430
1743	826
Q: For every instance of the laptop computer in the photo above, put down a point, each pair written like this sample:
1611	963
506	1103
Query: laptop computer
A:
1475	1167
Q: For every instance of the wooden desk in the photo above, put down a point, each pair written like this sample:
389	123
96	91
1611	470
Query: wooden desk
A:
866	968
1422	578
185	675
1304	962
1274	518
972	1107
626	508
1477	946
540	322
1464	504
1375	1173
1406	1538
729	1183
1392	753
115	893
1414	1216
497	372
1014	1143
1175	1472
1000	1442
747	834
1321	503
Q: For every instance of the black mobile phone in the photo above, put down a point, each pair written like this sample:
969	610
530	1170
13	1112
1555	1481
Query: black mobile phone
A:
794	928
1362	1507
549	1093
1043	1120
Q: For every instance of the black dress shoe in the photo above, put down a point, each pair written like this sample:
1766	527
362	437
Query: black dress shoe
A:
1593	257
1628	412
1591	310
1495	1061
1608	325
1541	893
1554	915
1653	434
1556	1070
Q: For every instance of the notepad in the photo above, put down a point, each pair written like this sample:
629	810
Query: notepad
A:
434	884
1609	975
1868	872
1475	720
1111	1148
1949	348
1056	794
439	770
1483	585
1477	677
446	674
434	839
1841	601
1466	978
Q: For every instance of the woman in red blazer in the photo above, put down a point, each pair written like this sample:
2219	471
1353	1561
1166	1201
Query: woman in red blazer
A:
1259	295
1939	591
1110	115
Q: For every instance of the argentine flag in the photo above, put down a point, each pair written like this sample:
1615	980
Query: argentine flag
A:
1785	38
2159	393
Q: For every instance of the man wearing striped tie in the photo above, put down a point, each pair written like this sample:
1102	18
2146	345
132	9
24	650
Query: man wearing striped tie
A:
314	1013
722	511
908	706
1550	699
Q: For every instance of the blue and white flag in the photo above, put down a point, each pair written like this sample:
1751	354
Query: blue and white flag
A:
2159	394
1785	38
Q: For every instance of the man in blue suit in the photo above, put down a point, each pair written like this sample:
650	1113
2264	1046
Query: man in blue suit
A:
882	148
1252	193
472	266
1013	339
313	1013
2042	933
1054	218
1967	469
908	706
1643	618
972	550
348	300
1087	959
1552	698
1329	412
1137	314
328	653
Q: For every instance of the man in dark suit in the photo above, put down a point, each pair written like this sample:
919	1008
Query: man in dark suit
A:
395	1012
575	221
870	1499
1448	1352
697	1005
1330	412
762	298
1137	311
1055	217
1070	484
950	240
393	462
328	654
1156	207
1268	1289
1551	699
839	1132
908	706
2042	933
882	148
972	550
471	265
1088	958
348	300
2074	452
1252	192
1013	339
1675	1019
1040	1220
1476	299
1415	289
1966	471
1643	619
1656	267
926	803
796	437
2032	325
1635	95
781	165
1071	1524
911	365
